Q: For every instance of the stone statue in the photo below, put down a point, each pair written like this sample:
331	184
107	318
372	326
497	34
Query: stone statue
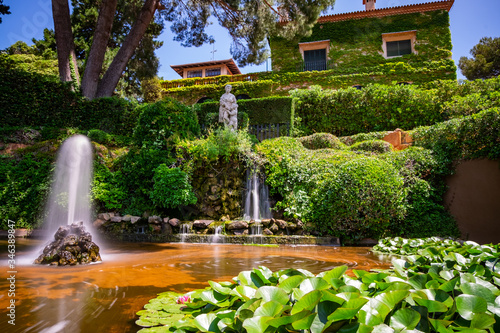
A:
228	110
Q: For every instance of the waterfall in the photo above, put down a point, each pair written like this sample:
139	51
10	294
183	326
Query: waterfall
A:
185	230
257	205
217	237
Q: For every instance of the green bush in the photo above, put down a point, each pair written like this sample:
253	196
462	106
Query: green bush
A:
374	146
171	188
267	110
320	141
99	136
164	123
24	184
358	200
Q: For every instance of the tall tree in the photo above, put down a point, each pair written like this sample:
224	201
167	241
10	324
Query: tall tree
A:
4	10
66	56
485	62
249	23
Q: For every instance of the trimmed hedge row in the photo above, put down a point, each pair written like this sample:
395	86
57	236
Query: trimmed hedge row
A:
34	100
267	110
381	108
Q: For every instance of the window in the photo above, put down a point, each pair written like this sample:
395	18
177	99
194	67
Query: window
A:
315	55
212	71
398	48
195	73
396	44
315	60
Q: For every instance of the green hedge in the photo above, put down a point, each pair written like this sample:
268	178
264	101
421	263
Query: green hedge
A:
351	111
35	100
268	110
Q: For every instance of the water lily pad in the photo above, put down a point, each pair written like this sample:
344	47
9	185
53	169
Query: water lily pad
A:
307	302
348	310
256	324
269	309
315	283
405	319
291	282
470	305
207	322
271	293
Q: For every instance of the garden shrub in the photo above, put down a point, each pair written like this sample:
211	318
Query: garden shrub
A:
374	146
24	184
99	136
360	137
164	123
172	188
358	200
320	141
267	110
134	175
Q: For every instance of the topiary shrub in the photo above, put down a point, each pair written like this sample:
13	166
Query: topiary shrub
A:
374	146
99	136
358	200
163	123
172	188
320	141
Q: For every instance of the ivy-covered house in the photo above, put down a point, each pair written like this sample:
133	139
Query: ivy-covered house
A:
406	44
400	44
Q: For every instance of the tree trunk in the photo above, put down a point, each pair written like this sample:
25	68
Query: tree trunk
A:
65	43
115	70
97	52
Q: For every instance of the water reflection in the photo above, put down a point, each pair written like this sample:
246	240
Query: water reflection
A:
105	297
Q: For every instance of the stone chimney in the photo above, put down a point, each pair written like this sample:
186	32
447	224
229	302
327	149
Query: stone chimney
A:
369	4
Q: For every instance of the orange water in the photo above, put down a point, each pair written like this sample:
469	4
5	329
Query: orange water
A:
105	297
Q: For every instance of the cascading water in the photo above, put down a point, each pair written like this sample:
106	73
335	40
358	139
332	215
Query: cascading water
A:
69	199
217	237
68	210
185	229
257	207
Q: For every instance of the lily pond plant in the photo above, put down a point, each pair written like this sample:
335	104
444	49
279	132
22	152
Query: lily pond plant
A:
434	285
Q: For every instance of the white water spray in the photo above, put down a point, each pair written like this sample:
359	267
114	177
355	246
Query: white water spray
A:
69	199
257	205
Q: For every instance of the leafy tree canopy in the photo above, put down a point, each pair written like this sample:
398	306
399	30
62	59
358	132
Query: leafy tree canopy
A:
485	62
4	10
249	23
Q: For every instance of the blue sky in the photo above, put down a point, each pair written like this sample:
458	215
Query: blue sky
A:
470	20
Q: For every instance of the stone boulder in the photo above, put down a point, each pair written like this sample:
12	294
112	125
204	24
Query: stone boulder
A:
174	222
72	245
155	219
202	224
237	225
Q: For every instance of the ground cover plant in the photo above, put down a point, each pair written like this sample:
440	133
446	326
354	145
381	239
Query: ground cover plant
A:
437	286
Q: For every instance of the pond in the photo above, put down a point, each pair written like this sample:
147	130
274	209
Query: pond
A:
104	297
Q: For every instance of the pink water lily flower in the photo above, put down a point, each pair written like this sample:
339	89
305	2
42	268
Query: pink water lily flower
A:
183	299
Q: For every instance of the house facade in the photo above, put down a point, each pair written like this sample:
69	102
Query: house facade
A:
402	44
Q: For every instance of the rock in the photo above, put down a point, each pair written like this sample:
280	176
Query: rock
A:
156	228
240	232
292	226
165	219
236	225
127	218
134	219
281	224
154	219
166	229
266	222
300	224
105	216
116	219
202	224
267	232
98	223
174	222
72	245
274	228
62	232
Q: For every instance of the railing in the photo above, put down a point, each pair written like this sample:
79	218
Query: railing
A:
269	131
321	65
221	79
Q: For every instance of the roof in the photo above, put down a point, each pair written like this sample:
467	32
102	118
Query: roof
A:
233	68
382	12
